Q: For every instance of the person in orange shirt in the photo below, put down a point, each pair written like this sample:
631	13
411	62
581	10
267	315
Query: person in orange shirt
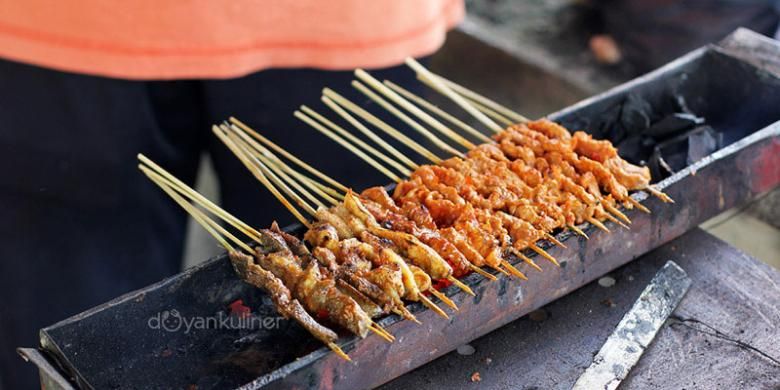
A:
87	84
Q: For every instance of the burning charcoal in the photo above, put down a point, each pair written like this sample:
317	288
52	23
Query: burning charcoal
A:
702	142
636	149
611	127
675	153
682	105
659	169
635	116
672	125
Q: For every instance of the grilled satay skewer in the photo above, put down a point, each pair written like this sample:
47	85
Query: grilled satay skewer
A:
420	254
340	100
517	273
415	219
425	301
324	237
262	238
521	136
221	133
422	279
488	106
424	184
245	266
374	163
322	289
260	170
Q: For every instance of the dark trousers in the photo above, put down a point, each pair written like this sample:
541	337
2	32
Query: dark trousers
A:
80	224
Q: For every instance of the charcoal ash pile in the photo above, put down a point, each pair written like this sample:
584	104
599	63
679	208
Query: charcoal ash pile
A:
666	143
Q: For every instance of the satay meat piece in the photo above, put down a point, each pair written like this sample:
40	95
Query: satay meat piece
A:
280	295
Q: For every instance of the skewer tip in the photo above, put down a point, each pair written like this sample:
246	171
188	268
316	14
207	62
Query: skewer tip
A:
514	271
527	260
436	309
598	224
482	272
579	231
461	286
554	240
335	348
638	205
447	301
544	254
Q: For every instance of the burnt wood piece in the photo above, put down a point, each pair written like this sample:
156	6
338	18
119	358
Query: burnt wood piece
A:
113	345
721	336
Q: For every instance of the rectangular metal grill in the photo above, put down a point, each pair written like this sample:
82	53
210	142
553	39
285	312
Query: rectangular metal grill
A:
113	345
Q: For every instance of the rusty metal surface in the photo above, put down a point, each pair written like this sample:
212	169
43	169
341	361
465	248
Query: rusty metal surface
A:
754	48
736	175
721	336
112	345
51	378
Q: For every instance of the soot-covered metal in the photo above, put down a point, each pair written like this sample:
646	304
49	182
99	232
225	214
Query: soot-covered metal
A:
707	98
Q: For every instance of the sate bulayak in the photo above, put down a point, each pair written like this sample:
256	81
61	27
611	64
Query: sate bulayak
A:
373	251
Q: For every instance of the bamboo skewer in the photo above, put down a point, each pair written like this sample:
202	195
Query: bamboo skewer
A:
447	301
287	155
445	90
660	194
492	114
461	285
638	205
595	222
482	100
544	254
200	199
207	223
482	272
420	114
311	122
368	133
211	227
279	172
416	126
579	231
273	176
260	175
325	192
381	332
378	123
355	140
429	304
438	111
526	259
514	271
615	220
554	240
614	210
499	269
406	314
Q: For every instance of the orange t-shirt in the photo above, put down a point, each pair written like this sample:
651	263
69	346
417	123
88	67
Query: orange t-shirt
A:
165	39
